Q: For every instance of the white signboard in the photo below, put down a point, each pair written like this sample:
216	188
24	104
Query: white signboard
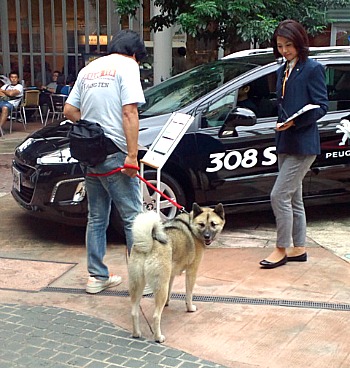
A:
167	140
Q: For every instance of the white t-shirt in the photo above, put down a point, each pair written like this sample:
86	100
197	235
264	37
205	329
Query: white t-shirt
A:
102	88
9	87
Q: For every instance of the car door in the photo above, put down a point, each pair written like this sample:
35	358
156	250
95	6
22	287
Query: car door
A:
239	170
330	172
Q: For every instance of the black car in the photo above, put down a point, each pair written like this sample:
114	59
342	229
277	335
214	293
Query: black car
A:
227	155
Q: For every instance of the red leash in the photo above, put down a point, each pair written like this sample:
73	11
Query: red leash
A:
126	166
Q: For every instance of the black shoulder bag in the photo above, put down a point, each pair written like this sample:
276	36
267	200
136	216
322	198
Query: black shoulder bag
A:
87	143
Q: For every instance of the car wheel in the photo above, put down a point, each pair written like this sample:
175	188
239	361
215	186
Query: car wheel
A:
170	187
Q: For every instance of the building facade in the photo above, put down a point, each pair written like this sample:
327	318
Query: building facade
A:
40	36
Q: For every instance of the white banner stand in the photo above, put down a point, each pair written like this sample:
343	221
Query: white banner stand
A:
164	145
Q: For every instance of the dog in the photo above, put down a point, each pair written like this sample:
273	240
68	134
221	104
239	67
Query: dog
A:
163	250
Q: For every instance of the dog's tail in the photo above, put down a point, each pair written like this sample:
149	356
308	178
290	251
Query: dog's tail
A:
148	227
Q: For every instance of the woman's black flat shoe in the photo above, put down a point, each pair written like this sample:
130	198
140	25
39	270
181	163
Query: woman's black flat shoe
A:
301	258
267	264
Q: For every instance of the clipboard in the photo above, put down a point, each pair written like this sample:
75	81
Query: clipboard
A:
304	109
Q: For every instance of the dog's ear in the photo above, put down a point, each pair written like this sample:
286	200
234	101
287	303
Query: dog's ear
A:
196	210
219	210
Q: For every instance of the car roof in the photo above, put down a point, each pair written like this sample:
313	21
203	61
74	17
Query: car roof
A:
265	56
250	62
248	52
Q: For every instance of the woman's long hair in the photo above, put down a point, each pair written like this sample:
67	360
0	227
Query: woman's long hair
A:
295	32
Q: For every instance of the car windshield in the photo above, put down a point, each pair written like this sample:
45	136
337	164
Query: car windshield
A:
177	92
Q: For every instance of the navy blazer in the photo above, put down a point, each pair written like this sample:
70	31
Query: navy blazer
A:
305	85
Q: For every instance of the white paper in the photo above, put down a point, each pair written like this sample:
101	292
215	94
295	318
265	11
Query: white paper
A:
306	108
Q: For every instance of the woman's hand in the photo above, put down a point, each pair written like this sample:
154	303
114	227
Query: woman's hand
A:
284	126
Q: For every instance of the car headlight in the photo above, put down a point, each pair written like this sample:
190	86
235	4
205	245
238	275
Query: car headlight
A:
61	156
69	190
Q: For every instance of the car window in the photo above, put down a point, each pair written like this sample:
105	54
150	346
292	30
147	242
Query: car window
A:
215	113
180	90
338	86
263	94
258	96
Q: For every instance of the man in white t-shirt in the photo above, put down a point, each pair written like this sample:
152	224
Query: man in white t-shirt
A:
108	91
10	97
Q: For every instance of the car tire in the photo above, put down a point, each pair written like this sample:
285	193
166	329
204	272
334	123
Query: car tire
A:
170	187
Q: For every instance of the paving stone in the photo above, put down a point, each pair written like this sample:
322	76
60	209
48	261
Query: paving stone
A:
29	341
133	363
95	364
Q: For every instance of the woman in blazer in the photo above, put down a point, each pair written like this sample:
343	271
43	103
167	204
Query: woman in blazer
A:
300	81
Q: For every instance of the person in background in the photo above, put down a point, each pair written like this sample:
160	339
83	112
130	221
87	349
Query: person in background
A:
69	85
10	97
60	84
52	86
180	61
108	91
44	98
300	81
244	100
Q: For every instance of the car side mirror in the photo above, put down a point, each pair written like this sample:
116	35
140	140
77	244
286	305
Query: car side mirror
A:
238	116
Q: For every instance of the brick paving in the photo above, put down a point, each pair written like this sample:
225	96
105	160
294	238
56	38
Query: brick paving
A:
38	336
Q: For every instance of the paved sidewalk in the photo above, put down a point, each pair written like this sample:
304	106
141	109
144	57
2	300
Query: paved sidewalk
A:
294	316
18	131
37	336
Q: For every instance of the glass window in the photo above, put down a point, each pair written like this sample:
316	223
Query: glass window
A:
24	25
342	36
258	96
263	94
12	27
338	85
216	113
177	92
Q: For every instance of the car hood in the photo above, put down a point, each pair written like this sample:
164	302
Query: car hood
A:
54	137
43	142
150	128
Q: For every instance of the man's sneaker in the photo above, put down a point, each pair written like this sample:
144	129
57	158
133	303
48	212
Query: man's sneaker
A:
95	286
147	290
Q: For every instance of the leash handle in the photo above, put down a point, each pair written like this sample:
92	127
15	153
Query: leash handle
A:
127	166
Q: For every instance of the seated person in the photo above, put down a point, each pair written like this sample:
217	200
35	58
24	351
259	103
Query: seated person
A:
243	99
69	85
44	99
10	97
60	84
52	86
